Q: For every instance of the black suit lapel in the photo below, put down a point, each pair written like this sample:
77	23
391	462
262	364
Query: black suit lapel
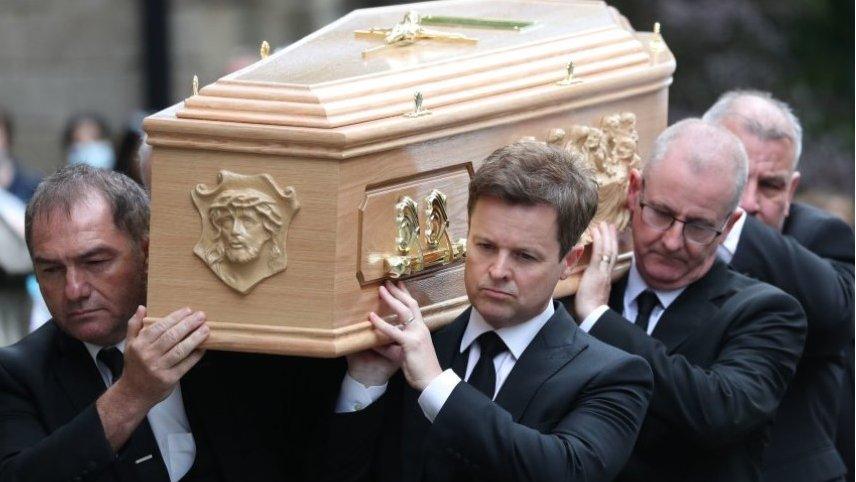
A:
694	305
552	348
616	295
447	342
77	373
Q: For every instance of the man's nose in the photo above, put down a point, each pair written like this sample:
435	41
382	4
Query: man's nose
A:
749	199
499	268
76	285
673	238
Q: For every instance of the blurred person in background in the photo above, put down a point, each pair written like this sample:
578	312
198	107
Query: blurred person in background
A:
17	185
14	178
128	148
86	140
807	253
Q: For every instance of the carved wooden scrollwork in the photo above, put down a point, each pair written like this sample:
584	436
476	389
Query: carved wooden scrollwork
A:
609	150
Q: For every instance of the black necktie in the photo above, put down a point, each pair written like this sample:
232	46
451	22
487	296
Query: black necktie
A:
113	359
483	376
645	303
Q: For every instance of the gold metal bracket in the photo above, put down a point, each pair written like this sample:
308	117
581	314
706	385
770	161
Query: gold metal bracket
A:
439	250
569	75
264	49
656	44
418	110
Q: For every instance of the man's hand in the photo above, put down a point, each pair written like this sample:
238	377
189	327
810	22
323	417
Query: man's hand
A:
156	357
595	283
412	346
370	368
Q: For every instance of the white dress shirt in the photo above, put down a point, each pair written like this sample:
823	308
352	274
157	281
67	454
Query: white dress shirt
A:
432	399
635	286
168	421
726	250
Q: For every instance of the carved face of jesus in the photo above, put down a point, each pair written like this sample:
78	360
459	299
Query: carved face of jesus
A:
243	234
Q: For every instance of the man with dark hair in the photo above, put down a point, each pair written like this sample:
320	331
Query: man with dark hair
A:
511	390
722	347
94	395
808	254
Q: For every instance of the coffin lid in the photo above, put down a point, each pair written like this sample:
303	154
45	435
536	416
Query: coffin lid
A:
321	97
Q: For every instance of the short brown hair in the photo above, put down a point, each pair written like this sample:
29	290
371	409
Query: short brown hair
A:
72	184
531	173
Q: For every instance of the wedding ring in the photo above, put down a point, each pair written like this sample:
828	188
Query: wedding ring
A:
605	258
410	320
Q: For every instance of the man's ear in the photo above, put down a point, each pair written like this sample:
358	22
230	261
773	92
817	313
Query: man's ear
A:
144	251
792	190
570	260
634	187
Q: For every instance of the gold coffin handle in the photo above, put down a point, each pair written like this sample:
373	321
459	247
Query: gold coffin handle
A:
439	250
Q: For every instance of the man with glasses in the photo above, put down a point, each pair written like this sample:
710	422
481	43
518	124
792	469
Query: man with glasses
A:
722	346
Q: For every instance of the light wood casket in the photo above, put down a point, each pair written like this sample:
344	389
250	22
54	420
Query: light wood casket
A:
285	193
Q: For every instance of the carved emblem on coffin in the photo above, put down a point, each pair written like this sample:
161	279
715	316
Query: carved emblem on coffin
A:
610	152
245	220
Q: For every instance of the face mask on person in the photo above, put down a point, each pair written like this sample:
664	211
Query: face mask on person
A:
97	154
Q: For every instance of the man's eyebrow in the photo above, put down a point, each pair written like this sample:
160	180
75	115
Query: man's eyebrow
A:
96	251
689	219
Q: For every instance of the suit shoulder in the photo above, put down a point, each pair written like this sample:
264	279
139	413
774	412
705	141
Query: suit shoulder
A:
32	351
603	356
750	295
811	225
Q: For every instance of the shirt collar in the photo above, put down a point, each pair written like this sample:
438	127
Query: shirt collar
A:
733	238
516	337
93	349
636	285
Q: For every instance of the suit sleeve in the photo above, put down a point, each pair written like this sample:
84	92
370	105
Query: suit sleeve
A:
351	439
77	451
822	281
590	443
741	389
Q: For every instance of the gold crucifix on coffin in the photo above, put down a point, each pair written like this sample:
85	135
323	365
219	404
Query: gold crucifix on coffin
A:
412	29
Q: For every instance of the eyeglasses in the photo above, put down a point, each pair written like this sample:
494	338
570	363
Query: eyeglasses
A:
693	232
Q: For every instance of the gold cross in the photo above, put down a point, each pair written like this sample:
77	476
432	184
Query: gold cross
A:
408	32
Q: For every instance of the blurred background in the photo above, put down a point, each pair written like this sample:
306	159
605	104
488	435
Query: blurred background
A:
119	59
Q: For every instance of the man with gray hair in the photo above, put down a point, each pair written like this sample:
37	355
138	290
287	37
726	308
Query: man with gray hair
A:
808	254
722	346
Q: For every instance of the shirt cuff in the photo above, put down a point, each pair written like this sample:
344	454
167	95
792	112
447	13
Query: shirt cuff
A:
592	318
354	396
437	392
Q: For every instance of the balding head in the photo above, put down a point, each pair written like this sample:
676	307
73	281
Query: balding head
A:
761	115
706	149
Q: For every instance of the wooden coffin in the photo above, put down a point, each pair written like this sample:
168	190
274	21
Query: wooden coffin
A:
285	193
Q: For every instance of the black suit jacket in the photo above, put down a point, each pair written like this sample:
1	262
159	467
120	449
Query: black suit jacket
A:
240	406
570	409
812	260
722	354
